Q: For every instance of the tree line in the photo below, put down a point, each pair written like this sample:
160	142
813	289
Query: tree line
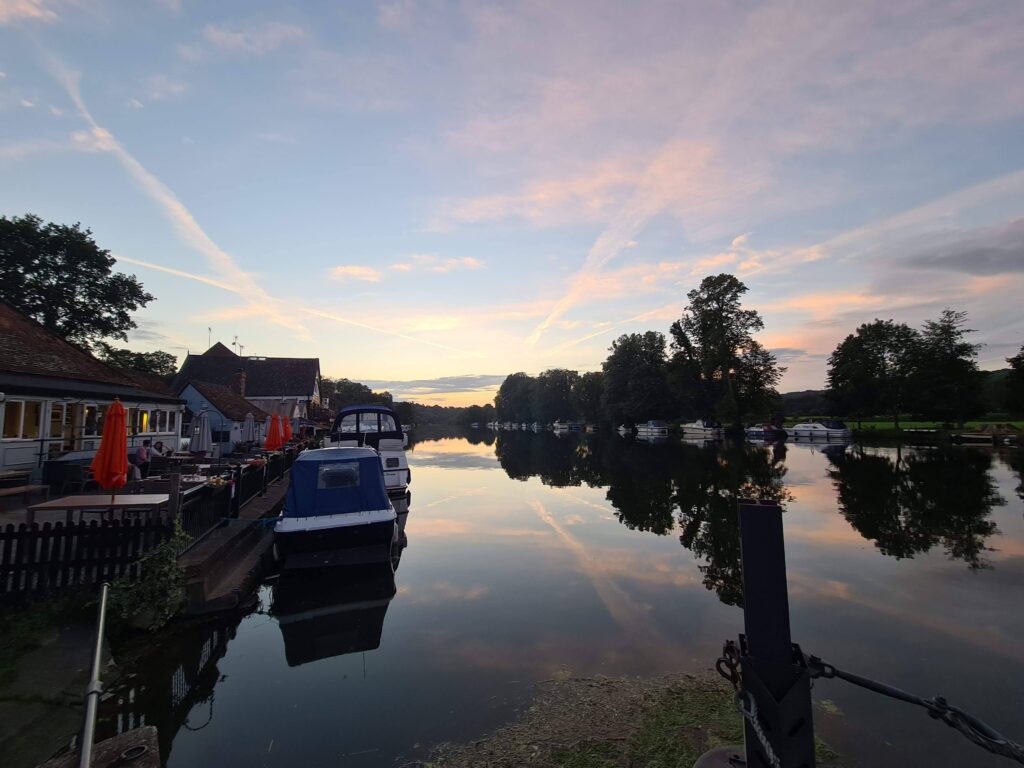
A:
889	368
713	367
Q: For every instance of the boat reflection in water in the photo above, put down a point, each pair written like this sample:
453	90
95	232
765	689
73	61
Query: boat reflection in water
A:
333	611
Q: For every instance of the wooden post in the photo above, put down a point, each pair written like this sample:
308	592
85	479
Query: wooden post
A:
174	503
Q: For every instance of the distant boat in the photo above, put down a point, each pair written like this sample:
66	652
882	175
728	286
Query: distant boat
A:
590	428
767	432
624	430
824	429
475	425
653	428
703	428
560	426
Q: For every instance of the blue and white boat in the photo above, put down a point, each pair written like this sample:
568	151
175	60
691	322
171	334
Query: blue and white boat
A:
376	427
823	429
337	510
653	428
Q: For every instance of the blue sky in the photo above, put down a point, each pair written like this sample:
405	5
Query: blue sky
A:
441	193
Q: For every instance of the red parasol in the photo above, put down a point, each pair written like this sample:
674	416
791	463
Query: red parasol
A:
286	426
110	465
275	439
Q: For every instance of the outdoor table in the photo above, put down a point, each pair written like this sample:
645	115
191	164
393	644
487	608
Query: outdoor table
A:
104	501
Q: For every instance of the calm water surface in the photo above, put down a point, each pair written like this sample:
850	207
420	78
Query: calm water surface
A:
531	556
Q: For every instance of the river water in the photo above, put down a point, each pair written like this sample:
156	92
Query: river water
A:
531	556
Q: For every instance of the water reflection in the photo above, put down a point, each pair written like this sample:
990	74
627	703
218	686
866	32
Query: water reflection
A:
905	501
908	501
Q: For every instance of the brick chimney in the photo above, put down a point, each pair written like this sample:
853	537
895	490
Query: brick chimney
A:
239	382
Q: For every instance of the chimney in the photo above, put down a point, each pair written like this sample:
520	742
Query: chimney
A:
239	382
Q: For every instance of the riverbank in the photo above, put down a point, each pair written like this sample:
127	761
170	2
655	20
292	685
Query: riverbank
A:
598	722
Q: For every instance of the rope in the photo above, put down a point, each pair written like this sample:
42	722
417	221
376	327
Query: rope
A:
938	708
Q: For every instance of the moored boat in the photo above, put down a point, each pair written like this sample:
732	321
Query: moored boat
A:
766	432
653	428
703	428
823	429
560	426
376	427
336	502
624	430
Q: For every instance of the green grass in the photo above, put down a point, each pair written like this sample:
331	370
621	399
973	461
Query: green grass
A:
588	755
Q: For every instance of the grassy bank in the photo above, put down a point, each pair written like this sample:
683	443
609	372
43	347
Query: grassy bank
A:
612	723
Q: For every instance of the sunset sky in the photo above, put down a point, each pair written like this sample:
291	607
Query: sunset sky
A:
430	195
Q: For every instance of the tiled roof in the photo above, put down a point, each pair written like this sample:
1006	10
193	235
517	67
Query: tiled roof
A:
227	401
264	376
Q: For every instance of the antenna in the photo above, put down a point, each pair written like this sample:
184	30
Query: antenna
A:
235	342
209	333
240	348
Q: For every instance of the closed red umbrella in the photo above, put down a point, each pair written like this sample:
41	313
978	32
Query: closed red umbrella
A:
110	464
275	438
286	426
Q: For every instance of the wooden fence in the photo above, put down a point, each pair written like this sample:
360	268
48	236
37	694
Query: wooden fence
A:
40	558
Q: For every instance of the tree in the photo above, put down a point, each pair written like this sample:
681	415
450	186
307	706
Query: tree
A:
587	391
157	363
514	401
948	383
57	275
1015	382
405	412
717	366
872	370
635	383
342	392
552	393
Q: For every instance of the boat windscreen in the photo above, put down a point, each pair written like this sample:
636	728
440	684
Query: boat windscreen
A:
331	487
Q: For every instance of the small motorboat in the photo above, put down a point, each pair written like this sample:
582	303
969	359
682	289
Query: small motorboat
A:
337	511
560	427
624	430
766	432
823	429
376	427
705	428
653	428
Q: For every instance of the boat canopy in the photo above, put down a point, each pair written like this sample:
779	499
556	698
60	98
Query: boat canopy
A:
329	481
367	419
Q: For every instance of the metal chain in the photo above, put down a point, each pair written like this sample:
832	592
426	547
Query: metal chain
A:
728	666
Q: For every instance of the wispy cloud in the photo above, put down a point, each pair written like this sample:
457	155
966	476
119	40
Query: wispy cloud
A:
78	141
253	40
354	272
27	10
181	218
425	262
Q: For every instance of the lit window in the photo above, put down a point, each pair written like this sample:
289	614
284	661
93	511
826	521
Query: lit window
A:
57	420
30	423
12	419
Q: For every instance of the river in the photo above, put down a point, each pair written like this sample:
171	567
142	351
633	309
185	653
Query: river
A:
531	556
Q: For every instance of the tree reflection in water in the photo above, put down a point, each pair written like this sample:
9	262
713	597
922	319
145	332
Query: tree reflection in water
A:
908	501
654	487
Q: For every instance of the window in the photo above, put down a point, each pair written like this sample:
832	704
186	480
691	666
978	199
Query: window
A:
31	420
387	423
338	475
144	423
161	421
172	418
12	419
367	422
57	414
348	423
91	418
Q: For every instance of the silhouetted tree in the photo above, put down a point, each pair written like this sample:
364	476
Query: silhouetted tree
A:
948	384
552	395
872	370
57	275
514	401
1015	382
635	384
587	391
157	363
718	367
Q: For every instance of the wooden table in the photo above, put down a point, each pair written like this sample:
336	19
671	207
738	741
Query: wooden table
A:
99	501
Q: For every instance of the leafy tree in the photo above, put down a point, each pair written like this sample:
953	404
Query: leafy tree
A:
1015	382
587	391
872	370
405	412
552	395
948	383
514	401
635	383
717	366
157	363
57	275
343	392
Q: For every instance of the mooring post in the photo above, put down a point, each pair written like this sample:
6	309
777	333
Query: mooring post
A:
774	675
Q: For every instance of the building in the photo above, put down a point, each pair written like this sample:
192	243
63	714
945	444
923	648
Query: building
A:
53	396
226	409
286	386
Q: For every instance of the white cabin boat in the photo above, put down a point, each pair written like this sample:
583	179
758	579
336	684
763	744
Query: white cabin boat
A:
376	427
703	428
653	428
823	429
560	427
624	430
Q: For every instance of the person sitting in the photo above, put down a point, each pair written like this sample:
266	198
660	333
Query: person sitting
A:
142	458
158	449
